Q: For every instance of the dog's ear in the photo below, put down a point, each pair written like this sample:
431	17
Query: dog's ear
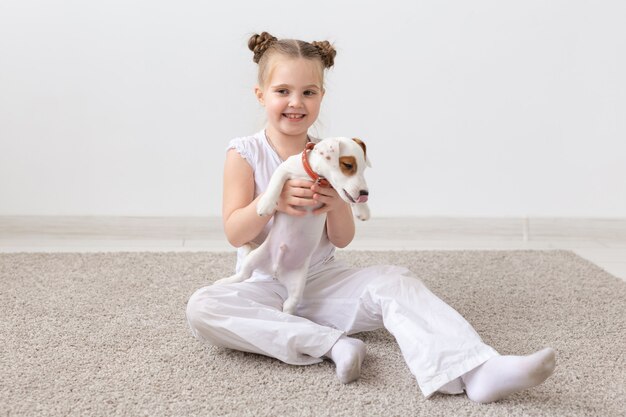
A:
362	145
328	149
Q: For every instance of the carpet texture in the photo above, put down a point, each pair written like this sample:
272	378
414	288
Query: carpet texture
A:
105	335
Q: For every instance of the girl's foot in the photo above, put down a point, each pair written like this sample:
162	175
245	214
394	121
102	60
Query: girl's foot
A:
501	376
347	354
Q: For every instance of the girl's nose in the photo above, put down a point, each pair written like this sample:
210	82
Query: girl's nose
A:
295	100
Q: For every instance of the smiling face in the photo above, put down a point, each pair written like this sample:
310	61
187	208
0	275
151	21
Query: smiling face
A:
292	96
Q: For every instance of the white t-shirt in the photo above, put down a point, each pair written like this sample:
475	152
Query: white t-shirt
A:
257	151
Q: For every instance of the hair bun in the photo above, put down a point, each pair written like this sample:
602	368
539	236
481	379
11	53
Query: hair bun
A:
259	44
327	52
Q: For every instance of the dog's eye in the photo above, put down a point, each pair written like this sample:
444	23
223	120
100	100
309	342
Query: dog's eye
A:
346	166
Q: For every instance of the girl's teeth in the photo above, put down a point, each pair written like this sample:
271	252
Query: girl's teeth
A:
294	116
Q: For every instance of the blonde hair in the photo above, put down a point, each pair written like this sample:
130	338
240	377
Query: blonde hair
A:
266	46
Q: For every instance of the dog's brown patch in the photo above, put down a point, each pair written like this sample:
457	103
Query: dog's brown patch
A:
347	165
362	145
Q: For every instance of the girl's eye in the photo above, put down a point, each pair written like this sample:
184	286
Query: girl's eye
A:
310	93
282	91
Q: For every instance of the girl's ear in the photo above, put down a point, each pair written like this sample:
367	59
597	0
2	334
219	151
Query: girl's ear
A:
259	94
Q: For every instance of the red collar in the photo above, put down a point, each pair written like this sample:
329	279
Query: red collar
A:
307	167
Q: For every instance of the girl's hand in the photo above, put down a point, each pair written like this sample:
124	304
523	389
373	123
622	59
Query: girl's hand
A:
329	197
296	194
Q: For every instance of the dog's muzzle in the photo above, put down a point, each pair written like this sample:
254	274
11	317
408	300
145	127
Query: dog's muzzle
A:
363	196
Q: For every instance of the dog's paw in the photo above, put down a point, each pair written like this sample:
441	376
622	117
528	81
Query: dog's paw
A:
290	305
361	211
266	206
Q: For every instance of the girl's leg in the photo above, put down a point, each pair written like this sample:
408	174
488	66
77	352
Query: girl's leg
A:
438	344
248	316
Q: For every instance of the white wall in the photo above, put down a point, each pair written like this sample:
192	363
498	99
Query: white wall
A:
480	108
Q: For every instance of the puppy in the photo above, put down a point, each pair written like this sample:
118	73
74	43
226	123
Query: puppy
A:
286	252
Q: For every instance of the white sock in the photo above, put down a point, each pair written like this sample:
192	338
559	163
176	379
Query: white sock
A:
347	354
501	376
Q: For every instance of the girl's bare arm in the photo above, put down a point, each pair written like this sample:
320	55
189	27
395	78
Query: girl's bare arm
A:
241	222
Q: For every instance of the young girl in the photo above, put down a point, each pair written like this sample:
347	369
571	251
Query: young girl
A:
442	350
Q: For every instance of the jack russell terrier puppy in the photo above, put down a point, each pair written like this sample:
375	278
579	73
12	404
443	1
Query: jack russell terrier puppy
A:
286	252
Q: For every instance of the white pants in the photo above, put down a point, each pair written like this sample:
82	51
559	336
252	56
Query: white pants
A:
437	343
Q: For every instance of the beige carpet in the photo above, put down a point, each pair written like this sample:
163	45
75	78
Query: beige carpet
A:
105	335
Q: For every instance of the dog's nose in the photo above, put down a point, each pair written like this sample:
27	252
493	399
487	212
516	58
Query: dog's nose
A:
364	192
363	195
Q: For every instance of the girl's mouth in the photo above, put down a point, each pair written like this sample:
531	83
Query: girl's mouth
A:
293	116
